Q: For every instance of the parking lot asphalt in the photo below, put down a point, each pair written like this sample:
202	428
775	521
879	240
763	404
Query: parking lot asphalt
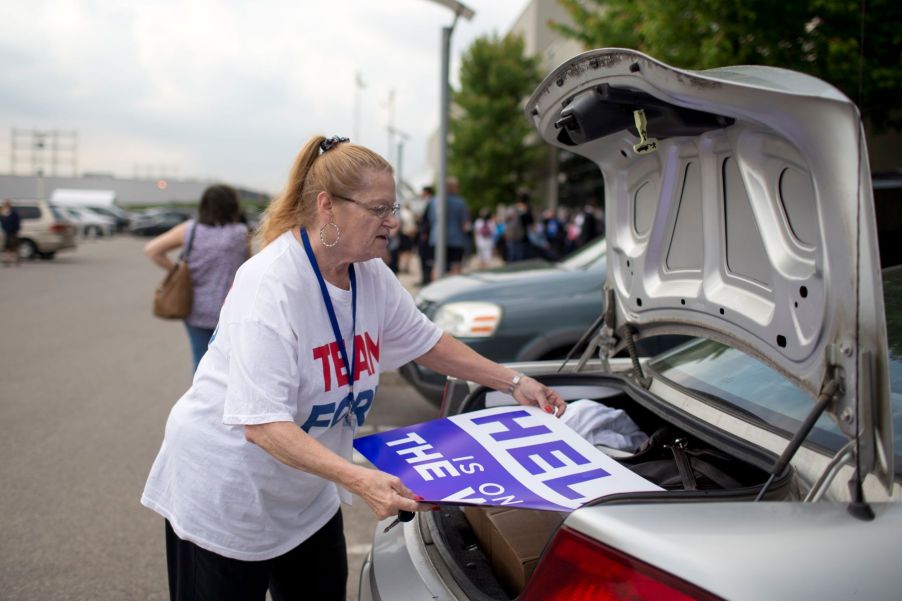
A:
87	379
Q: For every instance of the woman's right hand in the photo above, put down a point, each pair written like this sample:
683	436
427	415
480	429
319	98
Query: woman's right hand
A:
386	494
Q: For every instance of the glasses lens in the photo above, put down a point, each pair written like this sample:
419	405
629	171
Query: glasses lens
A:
383	211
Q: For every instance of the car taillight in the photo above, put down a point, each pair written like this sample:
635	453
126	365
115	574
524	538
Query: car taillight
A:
59	228
577	568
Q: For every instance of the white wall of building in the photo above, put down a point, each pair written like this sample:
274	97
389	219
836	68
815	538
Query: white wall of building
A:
127	191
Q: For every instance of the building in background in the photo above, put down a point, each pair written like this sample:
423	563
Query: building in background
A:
44	163
128	192
566	178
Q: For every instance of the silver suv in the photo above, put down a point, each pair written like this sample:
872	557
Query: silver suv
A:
45	230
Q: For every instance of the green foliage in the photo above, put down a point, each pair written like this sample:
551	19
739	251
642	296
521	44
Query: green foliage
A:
488	150
819	37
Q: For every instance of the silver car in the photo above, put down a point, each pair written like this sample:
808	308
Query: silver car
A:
739	212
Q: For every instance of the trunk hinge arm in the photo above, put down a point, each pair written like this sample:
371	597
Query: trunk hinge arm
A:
634	357
604	339
858	507
831	388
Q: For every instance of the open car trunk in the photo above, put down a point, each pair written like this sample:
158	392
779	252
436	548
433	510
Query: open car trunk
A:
491	551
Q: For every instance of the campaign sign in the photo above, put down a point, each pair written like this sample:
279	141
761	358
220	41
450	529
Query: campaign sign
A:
514	456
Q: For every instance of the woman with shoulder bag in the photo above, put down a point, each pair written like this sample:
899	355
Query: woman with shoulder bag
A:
218	243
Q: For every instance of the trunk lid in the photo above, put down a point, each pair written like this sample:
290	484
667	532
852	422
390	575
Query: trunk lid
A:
743	213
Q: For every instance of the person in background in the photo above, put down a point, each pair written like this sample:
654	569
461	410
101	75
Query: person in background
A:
554	232
11	224
221	243
484	233
257	455
457	228
393	252
573	231
538	244
588	229
501	232
407	235
512	235
518	225
527	221
424	227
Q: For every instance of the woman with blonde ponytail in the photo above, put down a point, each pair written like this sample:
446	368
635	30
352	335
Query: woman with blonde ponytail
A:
256	459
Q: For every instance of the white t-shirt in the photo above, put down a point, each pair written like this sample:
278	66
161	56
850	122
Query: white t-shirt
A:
273	358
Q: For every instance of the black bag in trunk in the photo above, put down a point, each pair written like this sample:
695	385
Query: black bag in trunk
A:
674	462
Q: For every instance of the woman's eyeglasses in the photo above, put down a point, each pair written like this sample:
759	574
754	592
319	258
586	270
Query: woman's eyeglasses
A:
380	211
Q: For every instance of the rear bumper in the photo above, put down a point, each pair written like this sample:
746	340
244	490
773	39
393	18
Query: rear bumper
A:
47	243
399	569
365	589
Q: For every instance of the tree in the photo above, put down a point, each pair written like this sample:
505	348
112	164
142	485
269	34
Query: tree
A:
488	151
819	37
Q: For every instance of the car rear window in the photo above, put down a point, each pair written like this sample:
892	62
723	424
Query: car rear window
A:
28	211
723	374
730	377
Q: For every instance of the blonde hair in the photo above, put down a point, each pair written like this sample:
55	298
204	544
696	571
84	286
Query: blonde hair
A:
340	171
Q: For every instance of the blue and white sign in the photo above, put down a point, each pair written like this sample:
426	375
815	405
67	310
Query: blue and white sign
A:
516	456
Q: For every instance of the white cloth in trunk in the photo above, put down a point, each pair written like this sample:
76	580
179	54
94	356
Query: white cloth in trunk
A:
603	425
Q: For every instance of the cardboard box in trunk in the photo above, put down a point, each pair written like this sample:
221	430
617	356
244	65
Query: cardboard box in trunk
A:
513	540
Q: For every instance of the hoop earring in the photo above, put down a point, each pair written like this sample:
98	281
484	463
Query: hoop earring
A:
322	234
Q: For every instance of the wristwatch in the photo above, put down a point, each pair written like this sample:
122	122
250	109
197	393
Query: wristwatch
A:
515	381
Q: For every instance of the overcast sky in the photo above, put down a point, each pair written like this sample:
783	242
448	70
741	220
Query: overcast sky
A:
227	89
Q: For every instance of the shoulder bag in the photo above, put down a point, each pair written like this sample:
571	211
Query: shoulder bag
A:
174	296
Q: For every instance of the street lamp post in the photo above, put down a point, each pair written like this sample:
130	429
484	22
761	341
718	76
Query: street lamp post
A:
441	246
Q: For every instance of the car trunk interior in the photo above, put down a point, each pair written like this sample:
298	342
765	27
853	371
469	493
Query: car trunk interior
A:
492	551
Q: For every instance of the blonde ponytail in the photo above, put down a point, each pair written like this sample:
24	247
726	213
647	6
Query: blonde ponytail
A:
340	170
287	211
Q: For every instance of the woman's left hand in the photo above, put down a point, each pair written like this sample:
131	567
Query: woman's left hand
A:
452	357
532	392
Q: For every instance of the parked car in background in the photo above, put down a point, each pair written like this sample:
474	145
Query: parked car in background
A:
45	231
121	218
520	312
153	222
251	218
89	223
525	311
740	212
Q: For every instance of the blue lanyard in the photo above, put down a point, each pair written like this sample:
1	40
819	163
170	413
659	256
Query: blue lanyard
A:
349	367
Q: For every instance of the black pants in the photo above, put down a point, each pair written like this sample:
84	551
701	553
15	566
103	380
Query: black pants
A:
426	261
317	569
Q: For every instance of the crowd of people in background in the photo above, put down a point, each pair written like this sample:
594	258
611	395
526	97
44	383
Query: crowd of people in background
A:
507	234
